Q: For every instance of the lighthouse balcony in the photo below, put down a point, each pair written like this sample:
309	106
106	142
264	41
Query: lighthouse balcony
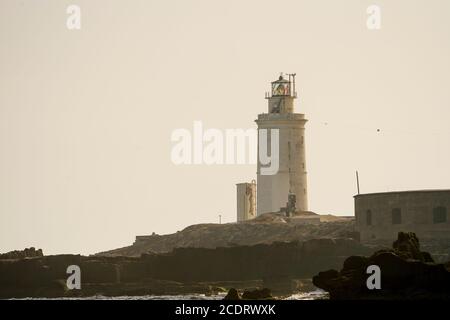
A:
281	116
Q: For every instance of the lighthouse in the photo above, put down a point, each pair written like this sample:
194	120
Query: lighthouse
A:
277	190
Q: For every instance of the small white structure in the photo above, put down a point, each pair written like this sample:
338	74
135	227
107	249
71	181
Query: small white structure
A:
246	200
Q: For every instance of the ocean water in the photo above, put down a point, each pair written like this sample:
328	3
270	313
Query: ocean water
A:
313	295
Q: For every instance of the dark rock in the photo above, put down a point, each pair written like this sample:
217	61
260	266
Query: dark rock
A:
355	262
406	273
280	285
232	294
22	254
427	257
407	246
257	294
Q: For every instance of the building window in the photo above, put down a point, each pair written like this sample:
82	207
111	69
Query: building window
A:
369	217
396	216
440	215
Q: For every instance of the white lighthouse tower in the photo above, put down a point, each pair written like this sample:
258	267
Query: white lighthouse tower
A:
290	179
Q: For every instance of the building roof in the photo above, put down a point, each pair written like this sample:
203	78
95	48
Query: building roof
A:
401	192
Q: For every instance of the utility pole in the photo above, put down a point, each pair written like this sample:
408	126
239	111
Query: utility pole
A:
357	180
220	219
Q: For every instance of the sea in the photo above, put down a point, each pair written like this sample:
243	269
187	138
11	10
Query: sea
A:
312	295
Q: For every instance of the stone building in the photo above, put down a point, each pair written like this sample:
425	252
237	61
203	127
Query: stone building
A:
380	216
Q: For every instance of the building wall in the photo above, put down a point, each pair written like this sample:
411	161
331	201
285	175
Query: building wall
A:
273	190
246	201
380	216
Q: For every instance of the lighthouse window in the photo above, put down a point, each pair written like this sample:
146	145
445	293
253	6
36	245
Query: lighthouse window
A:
280	89
440	215
396	216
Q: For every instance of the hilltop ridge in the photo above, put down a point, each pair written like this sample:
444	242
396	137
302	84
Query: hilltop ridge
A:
265	229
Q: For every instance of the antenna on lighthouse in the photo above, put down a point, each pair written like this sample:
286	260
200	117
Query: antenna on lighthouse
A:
293	93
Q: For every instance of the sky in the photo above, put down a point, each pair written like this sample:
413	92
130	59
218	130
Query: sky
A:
86	115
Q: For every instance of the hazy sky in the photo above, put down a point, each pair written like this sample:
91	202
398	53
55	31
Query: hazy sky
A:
86	115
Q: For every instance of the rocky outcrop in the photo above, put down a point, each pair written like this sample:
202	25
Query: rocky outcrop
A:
254	294
439	249
257	294
179	271
266	229
278	260
22	254
406	273
232	294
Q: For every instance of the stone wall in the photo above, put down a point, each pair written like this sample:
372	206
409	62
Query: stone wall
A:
380	216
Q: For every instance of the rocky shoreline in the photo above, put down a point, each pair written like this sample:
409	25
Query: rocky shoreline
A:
278	266
284	268
406	273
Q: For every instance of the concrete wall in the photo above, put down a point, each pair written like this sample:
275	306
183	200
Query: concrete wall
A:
380	216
